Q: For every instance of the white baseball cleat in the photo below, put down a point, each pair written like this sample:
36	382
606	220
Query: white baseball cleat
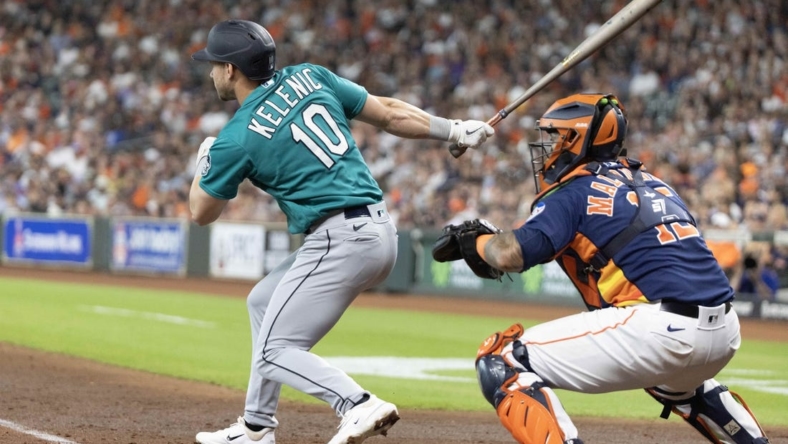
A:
237	433
373	417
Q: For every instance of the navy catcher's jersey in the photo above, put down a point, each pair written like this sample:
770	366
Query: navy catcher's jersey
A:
291	138
669	261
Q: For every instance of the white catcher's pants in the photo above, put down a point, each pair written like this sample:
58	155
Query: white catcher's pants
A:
639	347
630	348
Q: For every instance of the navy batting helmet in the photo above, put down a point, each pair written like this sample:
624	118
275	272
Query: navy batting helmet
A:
244	44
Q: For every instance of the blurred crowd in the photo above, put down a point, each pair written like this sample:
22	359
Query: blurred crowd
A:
102	110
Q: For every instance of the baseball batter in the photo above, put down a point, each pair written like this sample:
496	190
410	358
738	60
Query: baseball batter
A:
291	138
660	306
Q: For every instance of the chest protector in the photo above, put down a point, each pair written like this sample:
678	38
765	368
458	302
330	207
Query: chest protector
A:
641	221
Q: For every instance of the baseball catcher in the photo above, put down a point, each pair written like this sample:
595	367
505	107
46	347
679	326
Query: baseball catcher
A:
660	315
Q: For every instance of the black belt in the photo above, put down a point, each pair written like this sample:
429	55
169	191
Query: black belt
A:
354	212
350	213
688	310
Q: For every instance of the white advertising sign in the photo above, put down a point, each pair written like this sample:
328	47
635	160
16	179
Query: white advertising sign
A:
237	251
277	249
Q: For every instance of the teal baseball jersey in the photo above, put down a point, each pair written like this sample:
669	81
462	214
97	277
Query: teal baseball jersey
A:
291	138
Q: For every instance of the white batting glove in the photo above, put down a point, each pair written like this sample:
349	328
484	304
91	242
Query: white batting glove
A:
205	147
469	133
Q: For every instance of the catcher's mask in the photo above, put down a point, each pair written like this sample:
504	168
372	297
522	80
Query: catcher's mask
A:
574	130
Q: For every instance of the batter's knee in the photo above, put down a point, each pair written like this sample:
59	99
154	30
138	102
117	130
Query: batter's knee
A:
259	297
267	362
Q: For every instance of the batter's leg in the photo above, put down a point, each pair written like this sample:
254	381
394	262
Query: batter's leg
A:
331	269
262	395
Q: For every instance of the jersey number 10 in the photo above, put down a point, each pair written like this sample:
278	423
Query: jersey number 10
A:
299	135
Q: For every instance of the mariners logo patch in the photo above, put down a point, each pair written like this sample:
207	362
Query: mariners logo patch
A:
537	211
205	165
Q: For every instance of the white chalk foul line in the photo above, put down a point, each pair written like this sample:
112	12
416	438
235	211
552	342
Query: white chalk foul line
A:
431	369
405	368
34	433
160	317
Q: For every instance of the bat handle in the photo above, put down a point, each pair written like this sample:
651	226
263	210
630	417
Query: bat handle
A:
458	151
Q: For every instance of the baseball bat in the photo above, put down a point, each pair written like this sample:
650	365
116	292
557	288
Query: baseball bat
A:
617	24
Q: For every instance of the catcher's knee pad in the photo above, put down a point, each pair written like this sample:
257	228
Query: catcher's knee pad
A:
508	345
495	343
493	375
498	341
718	414
529	416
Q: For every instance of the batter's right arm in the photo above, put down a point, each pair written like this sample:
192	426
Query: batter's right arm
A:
405	120
396	117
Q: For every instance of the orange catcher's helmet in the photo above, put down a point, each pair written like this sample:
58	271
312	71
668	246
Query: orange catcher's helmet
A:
575	130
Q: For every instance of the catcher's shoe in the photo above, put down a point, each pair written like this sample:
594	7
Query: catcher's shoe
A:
237	433
372	417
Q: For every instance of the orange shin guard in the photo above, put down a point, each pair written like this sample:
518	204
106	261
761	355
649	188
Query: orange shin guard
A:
528	420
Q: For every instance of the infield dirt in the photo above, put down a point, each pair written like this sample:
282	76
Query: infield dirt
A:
92	403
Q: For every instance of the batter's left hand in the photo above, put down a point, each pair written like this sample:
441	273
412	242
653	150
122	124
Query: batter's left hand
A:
469	133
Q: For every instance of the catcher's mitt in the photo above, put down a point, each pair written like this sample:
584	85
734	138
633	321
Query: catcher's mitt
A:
459	242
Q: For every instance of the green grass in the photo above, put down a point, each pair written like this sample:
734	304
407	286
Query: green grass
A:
63	317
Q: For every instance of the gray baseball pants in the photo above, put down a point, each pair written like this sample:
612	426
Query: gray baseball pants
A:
296	304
